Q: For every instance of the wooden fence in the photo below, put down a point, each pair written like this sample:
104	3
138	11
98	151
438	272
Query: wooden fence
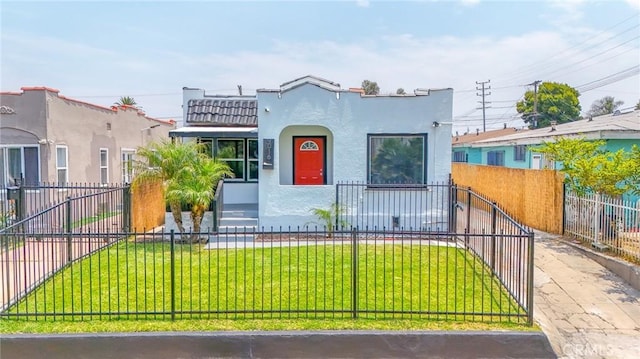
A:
532	197
147	206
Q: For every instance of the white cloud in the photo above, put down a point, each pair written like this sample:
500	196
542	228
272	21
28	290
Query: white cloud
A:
634	3
470	2
393	61
362	3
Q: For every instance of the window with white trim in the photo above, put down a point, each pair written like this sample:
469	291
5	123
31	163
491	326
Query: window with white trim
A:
62	164
104	166
126	164
19	162
397	159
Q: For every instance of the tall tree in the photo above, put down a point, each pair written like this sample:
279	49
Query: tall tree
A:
370	87
604	106
552	102
126	101
638	105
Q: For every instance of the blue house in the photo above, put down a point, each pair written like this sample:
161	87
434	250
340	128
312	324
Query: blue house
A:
464	149
620	131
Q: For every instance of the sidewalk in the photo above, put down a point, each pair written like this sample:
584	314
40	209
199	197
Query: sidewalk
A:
585	310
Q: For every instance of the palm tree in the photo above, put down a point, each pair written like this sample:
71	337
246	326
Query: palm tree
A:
189	176
196	187
126	101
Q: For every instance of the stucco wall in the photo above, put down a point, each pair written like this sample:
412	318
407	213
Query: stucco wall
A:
44	118
84	130
345	118
26	125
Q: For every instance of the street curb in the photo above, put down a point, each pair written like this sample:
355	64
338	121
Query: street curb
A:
628	272
280	344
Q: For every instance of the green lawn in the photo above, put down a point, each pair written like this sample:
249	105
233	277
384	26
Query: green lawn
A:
128	286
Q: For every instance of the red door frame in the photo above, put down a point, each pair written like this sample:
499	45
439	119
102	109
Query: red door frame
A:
324	156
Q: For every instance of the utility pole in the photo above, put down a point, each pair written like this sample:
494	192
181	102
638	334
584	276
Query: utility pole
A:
535	102
484	103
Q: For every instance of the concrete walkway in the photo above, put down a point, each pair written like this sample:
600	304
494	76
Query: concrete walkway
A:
585	310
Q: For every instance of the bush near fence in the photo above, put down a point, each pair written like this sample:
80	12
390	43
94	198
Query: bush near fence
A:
532	197
147	205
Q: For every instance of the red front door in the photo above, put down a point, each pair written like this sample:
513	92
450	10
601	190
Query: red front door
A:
308	160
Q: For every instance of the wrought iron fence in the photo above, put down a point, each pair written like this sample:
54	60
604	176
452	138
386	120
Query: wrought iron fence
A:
25	200
35	248
476	264
420	207
286	274
603	222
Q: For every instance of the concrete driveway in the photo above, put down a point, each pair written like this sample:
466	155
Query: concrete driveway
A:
585	310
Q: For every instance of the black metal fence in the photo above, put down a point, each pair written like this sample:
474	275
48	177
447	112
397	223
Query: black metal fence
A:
395	206
57	232
477	266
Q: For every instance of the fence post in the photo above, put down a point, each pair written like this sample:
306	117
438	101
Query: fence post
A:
173	274
453	208
354	244
68	229
494	215
214	213
21	206
469	209
338	213
530	279
596	219
126	208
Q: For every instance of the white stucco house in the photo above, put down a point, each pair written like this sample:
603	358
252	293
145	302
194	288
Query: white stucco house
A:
290	146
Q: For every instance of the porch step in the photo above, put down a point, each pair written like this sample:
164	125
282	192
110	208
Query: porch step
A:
240	214
238	221
230	230
240	210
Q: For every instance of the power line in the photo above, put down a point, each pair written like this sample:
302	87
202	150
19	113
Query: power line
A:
549	60
607	80
484	103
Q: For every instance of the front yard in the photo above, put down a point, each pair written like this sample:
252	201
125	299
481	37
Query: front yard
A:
145	285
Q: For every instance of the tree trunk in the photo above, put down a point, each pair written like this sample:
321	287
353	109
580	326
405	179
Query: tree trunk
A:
176	210
197	212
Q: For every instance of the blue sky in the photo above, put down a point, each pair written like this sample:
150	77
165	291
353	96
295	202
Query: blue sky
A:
99	51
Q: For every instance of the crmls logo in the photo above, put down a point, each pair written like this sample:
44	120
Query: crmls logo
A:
586	350
6	110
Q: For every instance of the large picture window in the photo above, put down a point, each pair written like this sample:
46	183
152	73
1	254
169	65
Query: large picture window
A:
397	159
17	163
